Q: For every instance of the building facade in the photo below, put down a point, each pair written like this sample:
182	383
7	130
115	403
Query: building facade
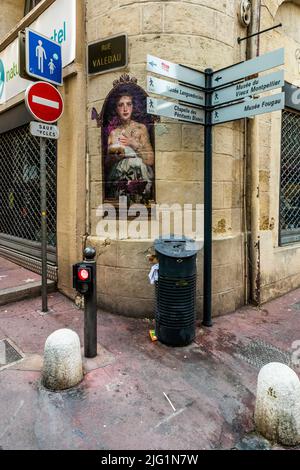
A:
256	179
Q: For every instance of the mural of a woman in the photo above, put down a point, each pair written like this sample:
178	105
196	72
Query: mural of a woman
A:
131	144
127	144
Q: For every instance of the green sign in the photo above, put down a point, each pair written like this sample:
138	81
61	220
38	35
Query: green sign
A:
106	55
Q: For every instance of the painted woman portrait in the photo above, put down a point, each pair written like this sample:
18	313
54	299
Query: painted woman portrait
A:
127	144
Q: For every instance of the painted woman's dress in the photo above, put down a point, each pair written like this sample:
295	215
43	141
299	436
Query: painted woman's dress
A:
129	174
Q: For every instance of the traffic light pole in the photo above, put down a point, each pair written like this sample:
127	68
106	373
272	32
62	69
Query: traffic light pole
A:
43	184
90	309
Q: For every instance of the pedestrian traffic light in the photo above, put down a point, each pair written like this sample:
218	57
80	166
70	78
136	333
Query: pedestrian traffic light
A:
82	278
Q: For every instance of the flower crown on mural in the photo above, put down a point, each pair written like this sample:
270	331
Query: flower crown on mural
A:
125	78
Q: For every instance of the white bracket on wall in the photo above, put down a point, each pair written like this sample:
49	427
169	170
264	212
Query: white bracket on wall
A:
245	12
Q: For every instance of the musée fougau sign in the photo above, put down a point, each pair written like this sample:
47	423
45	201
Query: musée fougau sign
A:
249	108
108	54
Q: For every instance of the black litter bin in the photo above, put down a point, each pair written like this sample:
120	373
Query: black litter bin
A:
175	314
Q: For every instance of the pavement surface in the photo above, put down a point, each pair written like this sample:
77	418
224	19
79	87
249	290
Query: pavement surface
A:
17	283
140	394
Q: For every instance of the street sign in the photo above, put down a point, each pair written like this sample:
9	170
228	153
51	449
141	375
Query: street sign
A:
44	102
247	68
248	88
179	72
40	129
248	108
43	57
173	90
175	111
107	54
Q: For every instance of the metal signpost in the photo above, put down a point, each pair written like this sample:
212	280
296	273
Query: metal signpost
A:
175	111
248	68
252	87
223	100
177	71
173	90
43	57
45	104
248	108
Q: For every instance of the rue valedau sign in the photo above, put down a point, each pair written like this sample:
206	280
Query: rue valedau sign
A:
108	54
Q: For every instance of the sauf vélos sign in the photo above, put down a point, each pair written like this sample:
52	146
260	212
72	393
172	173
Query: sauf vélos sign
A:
210	98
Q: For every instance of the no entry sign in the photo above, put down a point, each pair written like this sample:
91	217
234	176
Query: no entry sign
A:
44	102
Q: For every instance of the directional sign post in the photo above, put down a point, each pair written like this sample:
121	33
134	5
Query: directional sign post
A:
178	92
179	72
247	68
43	57
45	104
248	108
248	88
175	111
217	92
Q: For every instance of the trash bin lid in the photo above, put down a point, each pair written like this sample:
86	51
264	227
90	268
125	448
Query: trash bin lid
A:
176	248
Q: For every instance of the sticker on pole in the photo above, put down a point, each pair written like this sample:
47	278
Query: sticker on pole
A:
44	102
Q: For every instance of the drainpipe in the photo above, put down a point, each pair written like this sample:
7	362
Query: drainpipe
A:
253	159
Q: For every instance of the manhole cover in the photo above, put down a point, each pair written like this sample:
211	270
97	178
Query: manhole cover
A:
258	353
8	354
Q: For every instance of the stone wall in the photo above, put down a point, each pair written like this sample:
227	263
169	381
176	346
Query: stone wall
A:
199	34
12	11
280	270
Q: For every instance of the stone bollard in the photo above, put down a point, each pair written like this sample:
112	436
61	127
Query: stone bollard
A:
62	360
277	409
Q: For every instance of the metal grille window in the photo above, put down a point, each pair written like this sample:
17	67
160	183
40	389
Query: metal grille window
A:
20	186
290	178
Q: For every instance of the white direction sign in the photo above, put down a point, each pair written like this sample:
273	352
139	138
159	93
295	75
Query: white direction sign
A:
175	111
40	129
248	88
173	90
179	72
248	108
249	67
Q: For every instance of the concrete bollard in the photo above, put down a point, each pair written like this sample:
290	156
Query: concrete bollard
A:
62	360
277	409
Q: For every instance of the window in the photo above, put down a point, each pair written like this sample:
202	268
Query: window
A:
29	5
290	178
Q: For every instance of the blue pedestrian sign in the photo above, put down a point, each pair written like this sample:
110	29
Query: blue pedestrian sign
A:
43	58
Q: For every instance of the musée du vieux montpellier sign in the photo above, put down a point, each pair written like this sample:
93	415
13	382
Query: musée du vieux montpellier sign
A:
109	54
